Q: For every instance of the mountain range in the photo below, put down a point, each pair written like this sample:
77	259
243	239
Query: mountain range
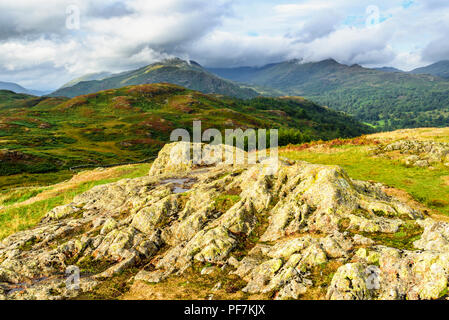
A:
188	74
19	89
439	69
387	100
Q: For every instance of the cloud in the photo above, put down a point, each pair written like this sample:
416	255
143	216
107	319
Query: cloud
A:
37	50
113	35
436	50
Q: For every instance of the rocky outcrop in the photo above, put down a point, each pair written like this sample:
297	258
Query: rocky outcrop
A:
278	232
417	153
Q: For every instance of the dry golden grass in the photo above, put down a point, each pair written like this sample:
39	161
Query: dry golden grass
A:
77	180
434	134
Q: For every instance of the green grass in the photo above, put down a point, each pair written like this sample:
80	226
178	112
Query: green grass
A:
225	202
132	123
33	180
20	218
425	185
19	196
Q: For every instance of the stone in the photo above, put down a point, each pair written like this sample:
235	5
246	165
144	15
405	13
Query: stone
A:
349	283
281	225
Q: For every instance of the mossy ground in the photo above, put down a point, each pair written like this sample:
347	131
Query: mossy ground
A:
425	185
193	286
403	239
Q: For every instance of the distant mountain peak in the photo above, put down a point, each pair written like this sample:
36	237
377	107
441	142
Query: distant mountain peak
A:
14	87
330	60
296	61
438	69
186	73
383	98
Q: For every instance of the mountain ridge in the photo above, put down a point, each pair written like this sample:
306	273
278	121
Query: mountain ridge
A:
439	69
387	100
175	71
11	86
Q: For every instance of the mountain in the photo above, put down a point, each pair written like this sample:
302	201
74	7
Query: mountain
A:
88	77
386	100
132	123
188	74
439	69
388	69
19	89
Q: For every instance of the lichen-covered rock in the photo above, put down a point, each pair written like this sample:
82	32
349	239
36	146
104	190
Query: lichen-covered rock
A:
417	153
283	226
435	236
180	157
349	283
398	274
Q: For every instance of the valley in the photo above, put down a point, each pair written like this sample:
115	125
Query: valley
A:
131	124
385	100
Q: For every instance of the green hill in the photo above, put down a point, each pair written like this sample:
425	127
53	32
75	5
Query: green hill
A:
439	69
10	99
187	74
387	100
133	123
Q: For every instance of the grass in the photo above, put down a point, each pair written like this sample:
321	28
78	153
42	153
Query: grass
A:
225	202
17	217
18	196
131	124
424	185
33	180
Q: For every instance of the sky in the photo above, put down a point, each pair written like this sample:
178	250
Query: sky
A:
44	44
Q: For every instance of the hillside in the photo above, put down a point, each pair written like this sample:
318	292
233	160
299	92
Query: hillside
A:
187	74
309	231
87	77
133	123
12	99
388	69
387	100
439	69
